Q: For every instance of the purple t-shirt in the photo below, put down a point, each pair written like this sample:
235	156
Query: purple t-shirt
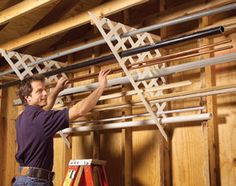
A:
35	129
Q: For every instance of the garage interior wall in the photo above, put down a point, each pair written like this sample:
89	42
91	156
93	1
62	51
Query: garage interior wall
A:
197	153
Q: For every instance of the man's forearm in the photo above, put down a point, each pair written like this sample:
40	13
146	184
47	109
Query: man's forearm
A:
87	104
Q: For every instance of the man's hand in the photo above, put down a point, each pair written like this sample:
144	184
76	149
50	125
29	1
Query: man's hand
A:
62	84
102	77
87	104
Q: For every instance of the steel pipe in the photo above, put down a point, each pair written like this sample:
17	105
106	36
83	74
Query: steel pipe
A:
161	72
167	42
126	53
151	63
59	54
200	94
139	115
192	65
159	60
169	97
132	92
165	98
145	29
169	120
66	69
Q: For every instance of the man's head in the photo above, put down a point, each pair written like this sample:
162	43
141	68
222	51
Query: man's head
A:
33	91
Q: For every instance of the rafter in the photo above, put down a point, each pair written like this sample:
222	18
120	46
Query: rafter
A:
7	3
60	12
20	9
70	23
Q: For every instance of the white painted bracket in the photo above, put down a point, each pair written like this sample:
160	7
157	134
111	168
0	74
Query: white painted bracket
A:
111	30
19	63
64	137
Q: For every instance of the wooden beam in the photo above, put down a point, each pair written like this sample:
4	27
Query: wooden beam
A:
127	141
67	152
70	23
3	136
8	136
95	135
212	125
2	131
61	10
21	8
165	146
165	160
7	3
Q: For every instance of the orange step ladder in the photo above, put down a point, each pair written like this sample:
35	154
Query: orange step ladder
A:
86	172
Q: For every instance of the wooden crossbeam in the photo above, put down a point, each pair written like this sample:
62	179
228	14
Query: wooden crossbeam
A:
70	23
21	8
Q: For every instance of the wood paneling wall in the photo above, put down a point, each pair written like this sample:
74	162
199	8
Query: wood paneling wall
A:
8	136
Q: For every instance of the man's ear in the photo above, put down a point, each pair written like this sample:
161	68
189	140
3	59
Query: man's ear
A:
27	98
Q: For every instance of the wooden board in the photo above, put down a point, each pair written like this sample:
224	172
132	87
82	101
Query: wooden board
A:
8	151
111	151
146	160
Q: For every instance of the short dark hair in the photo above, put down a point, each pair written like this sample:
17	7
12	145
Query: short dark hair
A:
26	88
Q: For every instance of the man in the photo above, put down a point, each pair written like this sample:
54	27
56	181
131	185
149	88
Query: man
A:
37	124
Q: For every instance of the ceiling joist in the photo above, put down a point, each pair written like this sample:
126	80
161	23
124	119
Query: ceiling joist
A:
20	9
70	23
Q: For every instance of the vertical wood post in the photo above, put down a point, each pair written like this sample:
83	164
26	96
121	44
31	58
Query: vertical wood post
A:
95	135
127	133
212	125
2	133
67	152
165	147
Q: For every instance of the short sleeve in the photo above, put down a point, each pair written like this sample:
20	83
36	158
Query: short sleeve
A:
54	120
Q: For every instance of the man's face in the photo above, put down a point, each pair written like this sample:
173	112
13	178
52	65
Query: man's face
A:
38	95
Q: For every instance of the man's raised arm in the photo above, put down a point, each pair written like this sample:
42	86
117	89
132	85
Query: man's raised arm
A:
87	104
